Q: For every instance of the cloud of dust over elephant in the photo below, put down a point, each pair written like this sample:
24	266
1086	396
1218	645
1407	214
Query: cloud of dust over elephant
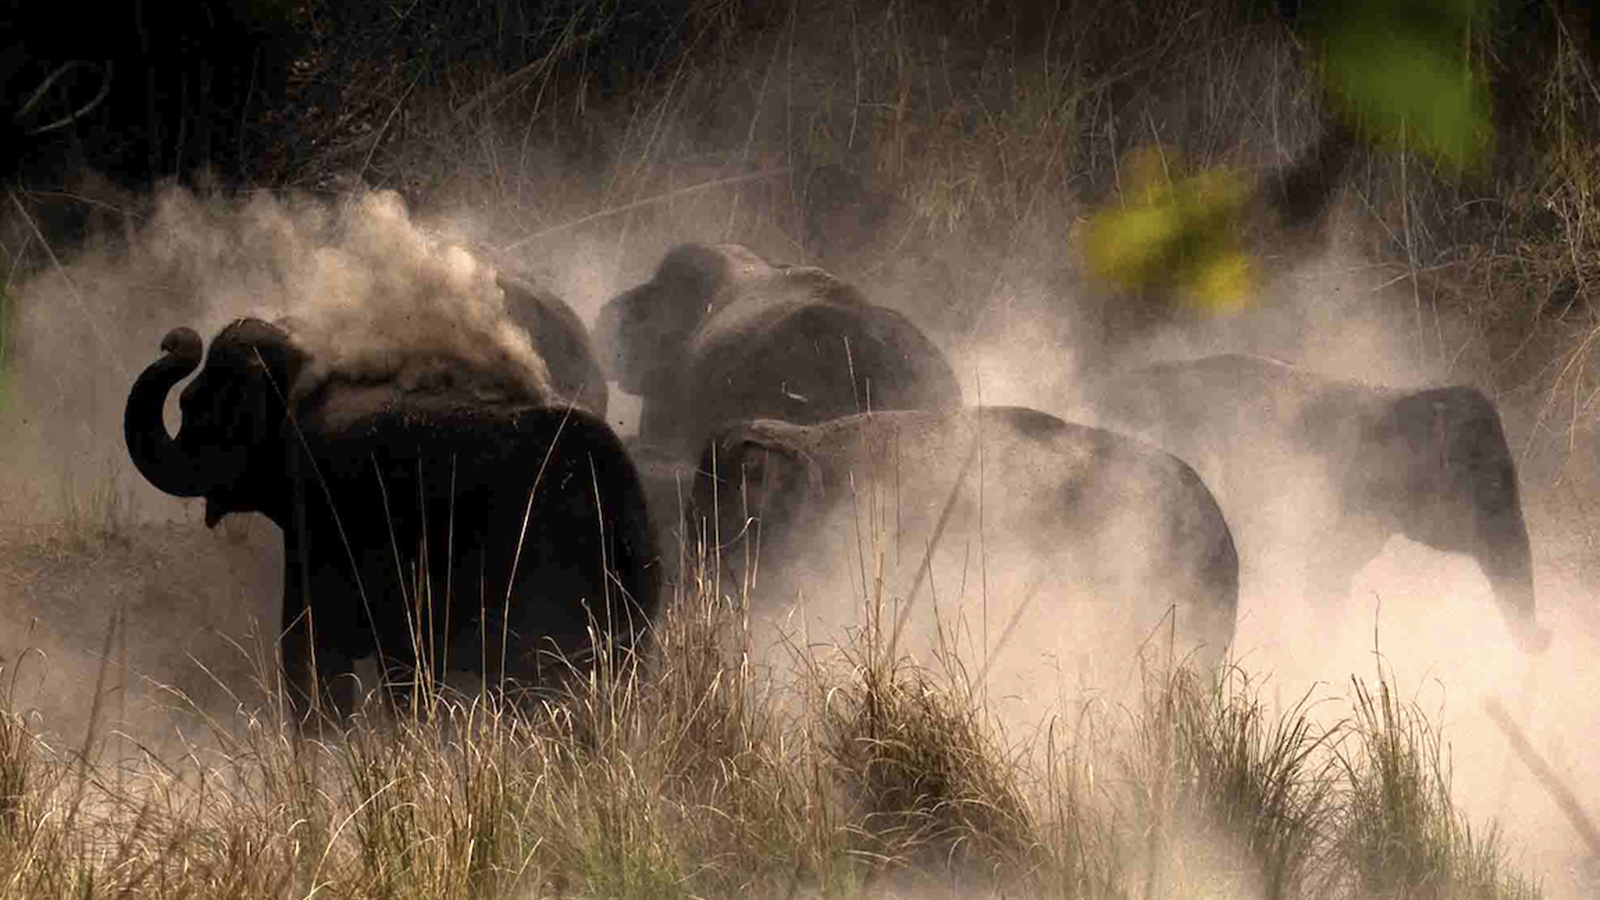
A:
371	290
372	293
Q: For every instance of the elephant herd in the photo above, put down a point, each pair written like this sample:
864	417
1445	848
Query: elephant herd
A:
469	520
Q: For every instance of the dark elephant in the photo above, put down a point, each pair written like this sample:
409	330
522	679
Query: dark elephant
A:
1431	465
531	514
562	339
1116	531
721	335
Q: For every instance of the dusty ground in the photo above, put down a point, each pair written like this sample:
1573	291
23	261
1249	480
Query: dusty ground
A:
197	605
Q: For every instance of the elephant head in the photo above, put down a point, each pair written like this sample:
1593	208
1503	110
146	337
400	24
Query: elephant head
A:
1459	493
232	415
756	472
642	334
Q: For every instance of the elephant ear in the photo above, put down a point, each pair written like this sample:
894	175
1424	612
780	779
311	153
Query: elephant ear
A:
640	337
262	401
242	393
273	377
764	479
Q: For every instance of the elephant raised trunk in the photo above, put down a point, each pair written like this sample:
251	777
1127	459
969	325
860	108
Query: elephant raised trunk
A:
388	492
160	458
1510	573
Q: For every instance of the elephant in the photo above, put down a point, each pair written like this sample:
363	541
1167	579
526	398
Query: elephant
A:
575	371
1431	465
719	334
1116	531
399	502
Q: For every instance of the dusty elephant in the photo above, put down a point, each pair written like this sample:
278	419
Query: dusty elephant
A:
1431	465
720	335
531	513
1115	532
563	341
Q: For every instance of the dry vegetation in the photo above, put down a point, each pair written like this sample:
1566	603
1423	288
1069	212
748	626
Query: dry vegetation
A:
968	139
878	778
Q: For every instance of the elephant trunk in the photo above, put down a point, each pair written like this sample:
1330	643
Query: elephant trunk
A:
1458	454
1508	564
158	456
1476	449
608	339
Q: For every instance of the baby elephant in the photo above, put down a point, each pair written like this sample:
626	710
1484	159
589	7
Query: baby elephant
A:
1038	535
1281	446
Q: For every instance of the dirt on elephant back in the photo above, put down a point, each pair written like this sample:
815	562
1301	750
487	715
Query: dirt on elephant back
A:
201	609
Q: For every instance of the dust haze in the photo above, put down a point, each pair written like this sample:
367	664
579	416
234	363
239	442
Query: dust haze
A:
370	293
1425	620
367	279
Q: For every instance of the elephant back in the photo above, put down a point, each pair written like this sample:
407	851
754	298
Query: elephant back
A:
527	500
561	339
758	299
797	356
1110	531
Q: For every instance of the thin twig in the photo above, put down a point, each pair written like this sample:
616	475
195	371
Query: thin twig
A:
1552	782
647	201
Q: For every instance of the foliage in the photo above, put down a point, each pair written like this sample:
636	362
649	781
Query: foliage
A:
1403	69
1181	234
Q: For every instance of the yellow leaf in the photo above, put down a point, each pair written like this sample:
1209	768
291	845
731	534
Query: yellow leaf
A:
1224	286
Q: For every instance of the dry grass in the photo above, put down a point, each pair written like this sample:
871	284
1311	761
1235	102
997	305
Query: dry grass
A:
698	775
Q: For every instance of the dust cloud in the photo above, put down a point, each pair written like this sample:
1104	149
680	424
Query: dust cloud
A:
371	292
964	527
1427	620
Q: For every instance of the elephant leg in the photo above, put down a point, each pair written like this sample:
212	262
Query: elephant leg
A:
321	635
295	648
466	637
318	673
422	600
294	637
